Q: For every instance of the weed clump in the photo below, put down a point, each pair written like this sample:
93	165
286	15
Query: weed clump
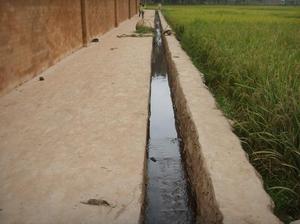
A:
143	28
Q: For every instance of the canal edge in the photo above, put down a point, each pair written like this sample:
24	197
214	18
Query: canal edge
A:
228	189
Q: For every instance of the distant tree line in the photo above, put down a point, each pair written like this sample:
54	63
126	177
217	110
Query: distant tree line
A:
263	2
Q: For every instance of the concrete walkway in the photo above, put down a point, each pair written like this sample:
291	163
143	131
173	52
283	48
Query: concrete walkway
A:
80	134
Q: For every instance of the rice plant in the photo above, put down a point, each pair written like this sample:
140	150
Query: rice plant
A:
250	56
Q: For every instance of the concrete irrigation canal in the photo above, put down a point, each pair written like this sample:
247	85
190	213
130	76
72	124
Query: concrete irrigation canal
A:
82	145
168	196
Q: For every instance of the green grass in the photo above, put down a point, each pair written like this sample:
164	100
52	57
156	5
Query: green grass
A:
143	29
150	6
251	60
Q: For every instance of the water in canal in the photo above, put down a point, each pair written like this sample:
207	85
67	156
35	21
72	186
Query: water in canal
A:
168	199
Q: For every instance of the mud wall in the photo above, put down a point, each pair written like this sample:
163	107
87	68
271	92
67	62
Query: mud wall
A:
100	17
123	10
133	7
35	34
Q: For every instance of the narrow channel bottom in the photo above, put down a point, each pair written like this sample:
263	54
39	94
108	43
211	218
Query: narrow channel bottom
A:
167	191
168	198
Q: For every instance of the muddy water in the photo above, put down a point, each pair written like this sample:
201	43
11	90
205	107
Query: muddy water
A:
168	197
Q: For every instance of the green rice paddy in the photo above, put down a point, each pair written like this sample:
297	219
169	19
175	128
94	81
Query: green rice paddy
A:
250	56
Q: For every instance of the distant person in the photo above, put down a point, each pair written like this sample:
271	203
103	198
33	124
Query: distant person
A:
142	10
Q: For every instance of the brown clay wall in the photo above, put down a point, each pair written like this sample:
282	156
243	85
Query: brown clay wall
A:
100	17
123	11
132	7
35	34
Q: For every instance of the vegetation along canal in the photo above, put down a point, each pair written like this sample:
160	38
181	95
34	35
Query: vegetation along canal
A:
168	198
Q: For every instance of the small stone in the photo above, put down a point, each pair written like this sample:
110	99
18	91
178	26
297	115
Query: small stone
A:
153	159
41	78
96	202
95	40
167	32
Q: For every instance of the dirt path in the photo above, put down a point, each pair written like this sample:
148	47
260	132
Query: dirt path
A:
80	134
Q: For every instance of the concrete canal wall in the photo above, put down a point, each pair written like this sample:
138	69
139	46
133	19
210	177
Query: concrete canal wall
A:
227	187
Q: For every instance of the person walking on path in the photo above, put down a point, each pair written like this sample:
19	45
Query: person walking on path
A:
142	10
